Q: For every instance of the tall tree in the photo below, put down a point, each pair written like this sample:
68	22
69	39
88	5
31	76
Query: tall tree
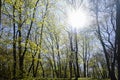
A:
76	55
41	39
0	12
14	43
118	35
104	42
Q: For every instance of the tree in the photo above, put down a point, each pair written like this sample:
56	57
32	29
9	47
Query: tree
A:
105	36
14	43
21	55
118	35
0	12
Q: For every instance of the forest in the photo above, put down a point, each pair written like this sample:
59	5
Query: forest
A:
59	39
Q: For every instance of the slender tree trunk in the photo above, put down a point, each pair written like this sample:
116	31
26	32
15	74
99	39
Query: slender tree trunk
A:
41	38
70	68
99	70
43	72
65	71
59	64
118	35
71	55
36	70
59	61
53	72
53	55
52	69
93	71
0	12
19	44
87	68
75	71
14	44
84	69
38	62
84	55
31	67
76	55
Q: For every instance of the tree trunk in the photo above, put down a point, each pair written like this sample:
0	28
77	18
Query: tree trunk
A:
87	68
31	67
0	12
36	69
70	68
65	71
14	44
53	56
118	35
21	66
41	38
19	43
71	56
76	55
59	61
84	69
75	71
43	72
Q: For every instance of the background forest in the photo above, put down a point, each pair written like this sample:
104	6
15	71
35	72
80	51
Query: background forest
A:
44	39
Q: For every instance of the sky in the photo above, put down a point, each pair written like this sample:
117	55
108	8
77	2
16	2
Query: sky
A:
78	16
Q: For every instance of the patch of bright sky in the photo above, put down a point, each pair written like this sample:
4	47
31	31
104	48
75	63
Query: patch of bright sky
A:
77	17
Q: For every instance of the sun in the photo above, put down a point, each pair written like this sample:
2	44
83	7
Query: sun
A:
77	18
